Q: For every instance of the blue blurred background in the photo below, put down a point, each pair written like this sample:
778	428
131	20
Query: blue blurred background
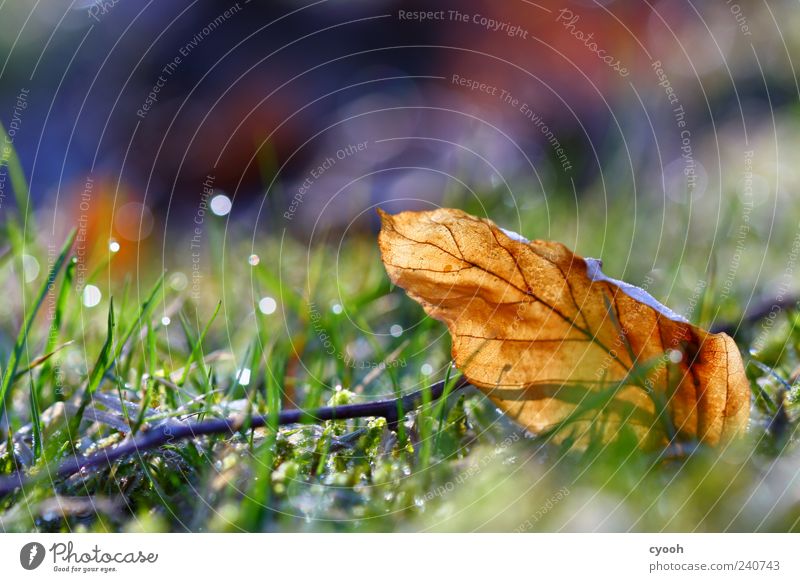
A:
656	122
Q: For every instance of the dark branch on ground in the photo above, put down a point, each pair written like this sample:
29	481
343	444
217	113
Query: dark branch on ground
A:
392	410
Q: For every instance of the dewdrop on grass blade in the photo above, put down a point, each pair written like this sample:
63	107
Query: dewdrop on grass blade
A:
243	376
267	305
91	296
178	281
30	268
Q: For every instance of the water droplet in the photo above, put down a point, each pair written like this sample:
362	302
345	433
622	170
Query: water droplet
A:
426	369
253	260
165	320
675	356
396	330
337	308
178	281
267	305
113	246
30	268
91	296
244	376
221	205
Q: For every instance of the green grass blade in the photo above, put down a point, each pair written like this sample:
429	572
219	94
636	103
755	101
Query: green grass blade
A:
101	366
196	355
110	355
19	183
36	423
10	370
104	360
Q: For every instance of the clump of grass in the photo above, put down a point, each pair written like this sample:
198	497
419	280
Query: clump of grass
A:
77	380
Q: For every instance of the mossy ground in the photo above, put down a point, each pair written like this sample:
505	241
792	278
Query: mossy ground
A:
453	465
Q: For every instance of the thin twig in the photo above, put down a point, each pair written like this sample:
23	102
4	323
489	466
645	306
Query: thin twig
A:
392	410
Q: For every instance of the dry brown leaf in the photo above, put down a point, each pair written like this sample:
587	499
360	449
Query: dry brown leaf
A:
550	339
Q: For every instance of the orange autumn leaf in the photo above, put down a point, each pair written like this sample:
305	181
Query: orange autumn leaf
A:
554	342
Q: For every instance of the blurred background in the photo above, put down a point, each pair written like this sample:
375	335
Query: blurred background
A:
242	149
653	134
